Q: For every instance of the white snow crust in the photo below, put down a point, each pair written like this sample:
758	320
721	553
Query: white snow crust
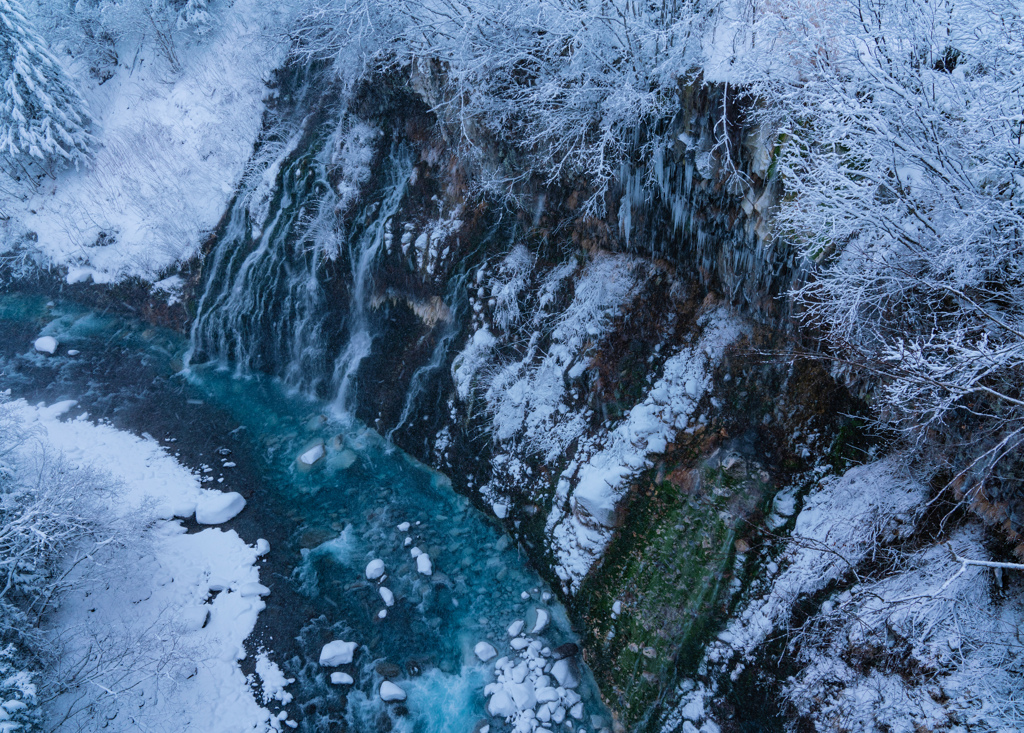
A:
596	479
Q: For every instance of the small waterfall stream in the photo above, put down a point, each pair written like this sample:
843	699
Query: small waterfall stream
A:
262	305
362	252
456	301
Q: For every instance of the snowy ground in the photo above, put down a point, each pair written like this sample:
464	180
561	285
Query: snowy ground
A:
172	147
154	643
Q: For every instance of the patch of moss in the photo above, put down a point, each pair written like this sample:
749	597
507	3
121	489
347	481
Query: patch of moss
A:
668	565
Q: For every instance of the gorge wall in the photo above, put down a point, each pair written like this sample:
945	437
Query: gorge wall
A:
630	394
606	386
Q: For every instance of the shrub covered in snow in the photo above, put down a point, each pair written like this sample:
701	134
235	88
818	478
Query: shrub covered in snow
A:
19	703
902	163
55	526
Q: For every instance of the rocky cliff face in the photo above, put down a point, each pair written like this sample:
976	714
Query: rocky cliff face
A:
616	390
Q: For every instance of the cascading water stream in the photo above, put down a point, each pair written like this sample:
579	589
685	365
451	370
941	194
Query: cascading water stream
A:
263	305
456	301
267	301
362	253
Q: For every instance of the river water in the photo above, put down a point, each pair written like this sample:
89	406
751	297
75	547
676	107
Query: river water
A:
324	523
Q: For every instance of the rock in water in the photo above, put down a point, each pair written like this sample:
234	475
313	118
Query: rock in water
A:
541	622
485	652
566	650
387	670
336	653
374	569
217	507
566	672
46	345
424	565
501	706
311	456
390	692
340	678
387	595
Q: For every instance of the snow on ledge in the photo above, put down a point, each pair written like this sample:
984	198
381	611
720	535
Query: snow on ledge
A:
840	523
594	482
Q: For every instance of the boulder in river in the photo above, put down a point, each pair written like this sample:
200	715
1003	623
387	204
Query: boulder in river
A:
390	692
336	653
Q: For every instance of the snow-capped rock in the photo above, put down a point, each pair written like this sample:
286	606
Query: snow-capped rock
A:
46	345
390	692
217	507
336	653
484	651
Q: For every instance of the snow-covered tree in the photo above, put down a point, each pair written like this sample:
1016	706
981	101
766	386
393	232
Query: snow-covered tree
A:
56	525
566	86
195	13
903	162
42	115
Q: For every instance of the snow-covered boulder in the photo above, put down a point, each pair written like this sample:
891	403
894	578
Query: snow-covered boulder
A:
337	653
390	692
484	651
217	507
262	547
566	672
46	345
540	621
311	456
501	705
341	678
387	596
423	564
523	695
374	569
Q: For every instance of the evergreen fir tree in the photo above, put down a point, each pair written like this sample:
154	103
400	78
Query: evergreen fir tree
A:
42	115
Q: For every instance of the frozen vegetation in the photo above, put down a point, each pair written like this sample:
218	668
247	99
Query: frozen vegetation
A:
673	195
174	116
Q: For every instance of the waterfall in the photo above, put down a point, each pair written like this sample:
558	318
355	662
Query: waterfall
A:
271	284
456	301
262	305
362	251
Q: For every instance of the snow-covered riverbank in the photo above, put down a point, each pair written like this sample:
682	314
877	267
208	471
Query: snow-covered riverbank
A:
152	636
